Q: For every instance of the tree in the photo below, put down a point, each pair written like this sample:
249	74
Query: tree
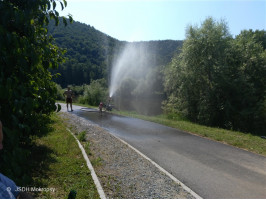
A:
250	78
191	77
27	95
259	36
218	80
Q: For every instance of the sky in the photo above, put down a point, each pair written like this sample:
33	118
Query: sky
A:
144	20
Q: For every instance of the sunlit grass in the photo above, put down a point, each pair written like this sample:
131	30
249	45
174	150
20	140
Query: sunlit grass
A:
59	164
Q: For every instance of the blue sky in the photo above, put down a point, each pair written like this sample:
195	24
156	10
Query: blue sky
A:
143	20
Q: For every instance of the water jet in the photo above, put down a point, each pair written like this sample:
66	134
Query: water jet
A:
132	77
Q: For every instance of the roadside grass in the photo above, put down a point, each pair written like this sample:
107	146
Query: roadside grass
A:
57	162
95	161
247	141
82	136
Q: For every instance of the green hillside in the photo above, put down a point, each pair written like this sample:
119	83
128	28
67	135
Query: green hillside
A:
87	52
90	53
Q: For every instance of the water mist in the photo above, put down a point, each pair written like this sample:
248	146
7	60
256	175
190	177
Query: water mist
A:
132	69
131	63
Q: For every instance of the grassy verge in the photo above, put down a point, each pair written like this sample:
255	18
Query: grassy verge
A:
245	141
58	163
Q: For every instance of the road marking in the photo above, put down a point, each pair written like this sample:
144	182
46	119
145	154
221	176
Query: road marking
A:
93	174
162	169
189	190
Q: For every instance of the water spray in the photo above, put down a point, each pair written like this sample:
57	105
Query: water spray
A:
135	63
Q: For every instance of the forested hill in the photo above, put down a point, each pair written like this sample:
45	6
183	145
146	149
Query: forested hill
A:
90	53
87	51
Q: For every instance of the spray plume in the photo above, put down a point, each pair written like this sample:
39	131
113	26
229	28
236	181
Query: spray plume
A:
133	62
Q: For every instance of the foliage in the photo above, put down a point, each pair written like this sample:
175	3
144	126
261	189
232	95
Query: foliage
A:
95	93
87	56
77	90
91	53
218	80
59	93
249	73
57	162
82	136
27	95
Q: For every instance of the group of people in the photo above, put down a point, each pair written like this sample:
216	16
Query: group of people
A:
68	94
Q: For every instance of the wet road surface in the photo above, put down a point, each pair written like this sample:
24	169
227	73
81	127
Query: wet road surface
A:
209	168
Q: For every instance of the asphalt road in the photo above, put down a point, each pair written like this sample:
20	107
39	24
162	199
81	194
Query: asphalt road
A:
209	168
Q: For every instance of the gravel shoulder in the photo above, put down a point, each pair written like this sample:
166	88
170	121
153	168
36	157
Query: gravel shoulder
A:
123	173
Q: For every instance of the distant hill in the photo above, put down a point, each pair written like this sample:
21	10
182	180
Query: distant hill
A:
90	53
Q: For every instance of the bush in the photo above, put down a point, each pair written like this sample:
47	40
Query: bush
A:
59	93
27	94
94	93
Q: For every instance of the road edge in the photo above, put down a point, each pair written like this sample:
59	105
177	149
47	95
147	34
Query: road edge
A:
189	190
186	188
89	165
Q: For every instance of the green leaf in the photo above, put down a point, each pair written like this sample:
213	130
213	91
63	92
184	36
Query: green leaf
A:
54	5
64	21
65	2
58	107
49	6
62	6
70	18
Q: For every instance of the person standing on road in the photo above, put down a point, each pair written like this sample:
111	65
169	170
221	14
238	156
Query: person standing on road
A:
101	108
68	94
